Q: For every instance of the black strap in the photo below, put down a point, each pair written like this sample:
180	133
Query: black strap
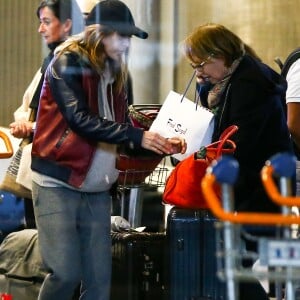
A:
293	56
36	96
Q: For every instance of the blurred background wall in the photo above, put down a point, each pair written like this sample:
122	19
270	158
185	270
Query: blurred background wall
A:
271	27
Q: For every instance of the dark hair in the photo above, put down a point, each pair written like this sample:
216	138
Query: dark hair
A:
62	9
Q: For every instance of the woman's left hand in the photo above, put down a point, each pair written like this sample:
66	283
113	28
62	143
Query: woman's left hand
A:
178	145
161	145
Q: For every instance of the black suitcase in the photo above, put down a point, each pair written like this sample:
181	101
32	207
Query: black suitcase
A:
137	266
191	261
184	252
213	287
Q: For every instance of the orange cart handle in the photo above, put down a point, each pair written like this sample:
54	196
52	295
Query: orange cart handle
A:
272	190
8	145
241	217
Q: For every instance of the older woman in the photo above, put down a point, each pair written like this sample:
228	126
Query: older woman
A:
241	90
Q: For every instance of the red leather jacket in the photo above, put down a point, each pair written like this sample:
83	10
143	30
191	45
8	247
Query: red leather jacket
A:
68	124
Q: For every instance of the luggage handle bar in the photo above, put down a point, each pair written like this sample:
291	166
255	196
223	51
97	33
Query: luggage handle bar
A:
8	145
272	190
214	204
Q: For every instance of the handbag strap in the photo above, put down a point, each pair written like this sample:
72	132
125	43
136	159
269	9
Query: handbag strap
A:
226	134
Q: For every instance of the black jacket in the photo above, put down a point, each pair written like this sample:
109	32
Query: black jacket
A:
253	100
68	124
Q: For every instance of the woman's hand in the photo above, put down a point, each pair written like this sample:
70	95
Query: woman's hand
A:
161	145
178	145
21	129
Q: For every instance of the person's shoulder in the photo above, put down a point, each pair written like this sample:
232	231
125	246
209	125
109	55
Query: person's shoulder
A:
67	57
255	69
249	69
291	60
261	76
294	70
68	63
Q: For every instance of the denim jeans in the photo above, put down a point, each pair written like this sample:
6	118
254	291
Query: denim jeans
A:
74	239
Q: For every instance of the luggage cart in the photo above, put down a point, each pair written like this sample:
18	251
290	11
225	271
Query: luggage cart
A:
131	189
280	256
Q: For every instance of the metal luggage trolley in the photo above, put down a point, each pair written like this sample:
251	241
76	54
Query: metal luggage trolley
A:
279	256
131	186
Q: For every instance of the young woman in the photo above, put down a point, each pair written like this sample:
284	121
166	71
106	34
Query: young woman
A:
81	119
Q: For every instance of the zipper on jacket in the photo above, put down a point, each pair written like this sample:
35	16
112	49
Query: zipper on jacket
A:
62	139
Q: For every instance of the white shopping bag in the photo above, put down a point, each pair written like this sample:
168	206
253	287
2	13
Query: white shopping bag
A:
179	116
24	176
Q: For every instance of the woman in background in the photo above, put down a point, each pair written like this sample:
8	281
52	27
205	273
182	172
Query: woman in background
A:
56	25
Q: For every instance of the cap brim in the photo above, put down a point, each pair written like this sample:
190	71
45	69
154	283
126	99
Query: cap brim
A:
140	33
129	30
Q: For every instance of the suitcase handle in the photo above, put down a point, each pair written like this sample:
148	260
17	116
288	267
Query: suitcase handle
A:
207	184
8	145
283	165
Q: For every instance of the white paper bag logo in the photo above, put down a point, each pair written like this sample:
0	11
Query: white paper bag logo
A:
176	127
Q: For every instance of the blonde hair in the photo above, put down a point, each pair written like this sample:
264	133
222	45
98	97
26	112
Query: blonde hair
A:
215	40
89	44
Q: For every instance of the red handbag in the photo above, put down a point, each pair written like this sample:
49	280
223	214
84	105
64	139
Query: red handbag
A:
183	186
135	167
142	115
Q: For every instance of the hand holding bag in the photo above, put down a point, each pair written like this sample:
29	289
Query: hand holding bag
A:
135	167
183	186
10	182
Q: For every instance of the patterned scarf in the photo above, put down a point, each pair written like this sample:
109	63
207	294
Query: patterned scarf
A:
217	90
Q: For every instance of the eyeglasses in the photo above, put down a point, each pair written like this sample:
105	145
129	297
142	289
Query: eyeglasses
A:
198	66
201	65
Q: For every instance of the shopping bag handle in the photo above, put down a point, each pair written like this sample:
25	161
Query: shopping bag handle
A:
187	87
226	134
196	99
8	145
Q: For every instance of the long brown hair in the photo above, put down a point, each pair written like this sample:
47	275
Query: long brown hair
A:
89	45
215	40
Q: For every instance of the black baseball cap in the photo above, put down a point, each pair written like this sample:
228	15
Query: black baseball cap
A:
116	15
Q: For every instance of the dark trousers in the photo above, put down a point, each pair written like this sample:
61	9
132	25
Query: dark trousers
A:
29	213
